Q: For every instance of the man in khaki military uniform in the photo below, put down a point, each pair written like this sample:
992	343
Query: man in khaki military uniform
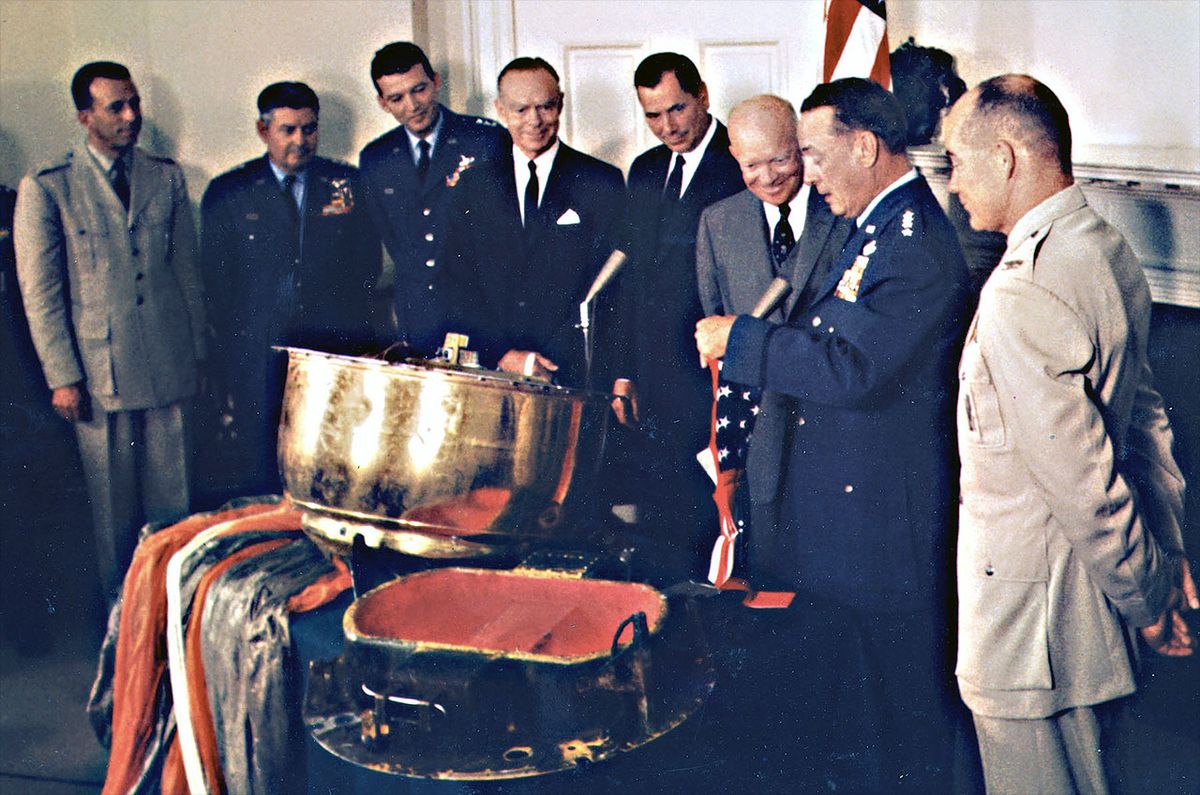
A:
1069	541
106	259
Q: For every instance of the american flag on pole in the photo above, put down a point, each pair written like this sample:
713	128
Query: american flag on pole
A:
856	42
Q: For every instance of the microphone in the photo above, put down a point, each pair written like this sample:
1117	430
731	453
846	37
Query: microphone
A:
775	292
611	265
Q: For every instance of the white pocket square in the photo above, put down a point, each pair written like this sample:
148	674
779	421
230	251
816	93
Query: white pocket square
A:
569	218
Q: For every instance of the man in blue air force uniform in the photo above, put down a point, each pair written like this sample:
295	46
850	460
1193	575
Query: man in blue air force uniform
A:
291	259
868	481
409	176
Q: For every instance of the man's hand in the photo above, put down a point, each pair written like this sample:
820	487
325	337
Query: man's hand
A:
712	335
625	405
1170	634
71	403
527	363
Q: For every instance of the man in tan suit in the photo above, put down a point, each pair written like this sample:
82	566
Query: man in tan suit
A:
106	259
1069	542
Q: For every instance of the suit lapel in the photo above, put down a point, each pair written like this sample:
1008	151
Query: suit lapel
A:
445	154
102	201
807	250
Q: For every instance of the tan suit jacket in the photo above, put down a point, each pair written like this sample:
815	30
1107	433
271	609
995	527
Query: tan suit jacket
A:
113	298
1072	502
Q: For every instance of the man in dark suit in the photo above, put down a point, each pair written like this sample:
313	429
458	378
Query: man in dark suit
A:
409	176
743	243
868	486
656	300
528	234
292	261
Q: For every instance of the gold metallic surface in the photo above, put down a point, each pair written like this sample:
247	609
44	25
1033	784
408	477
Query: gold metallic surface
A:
432	459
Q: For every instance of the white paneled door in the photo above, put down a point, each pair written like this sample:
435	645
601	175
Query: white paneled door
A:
742	48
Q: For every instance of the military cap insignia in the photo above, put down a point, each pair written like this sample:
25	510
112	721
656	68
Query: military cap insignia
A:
906	223
847	287
464	162
341	198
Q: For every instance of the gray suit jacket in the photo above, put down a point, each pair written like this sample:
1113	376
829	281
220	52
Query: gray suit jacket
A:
112	298
734	268
1071	500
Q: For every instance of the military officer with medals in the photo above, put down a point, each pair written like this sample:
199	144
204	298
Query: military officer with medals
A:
292	259
409	175
867	491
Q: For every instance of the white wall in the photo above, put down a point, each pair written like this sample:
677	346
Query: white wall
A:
1128	71
199	67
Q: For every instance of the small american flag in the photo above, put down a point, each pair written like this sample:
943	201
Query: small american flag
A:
735	408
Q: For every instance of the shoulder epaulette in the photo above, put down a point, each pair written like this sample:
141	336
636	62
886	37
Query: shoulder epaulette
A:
56	165
486	122
161	159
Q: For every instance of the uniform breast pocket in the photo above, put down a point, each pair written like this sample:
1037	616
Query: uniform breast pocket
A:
980	421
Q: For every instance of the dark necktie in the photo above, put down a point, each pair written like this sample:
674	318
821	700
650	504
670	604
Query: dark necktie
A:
289	191
120	182
674	186
531	197
783	239
423	160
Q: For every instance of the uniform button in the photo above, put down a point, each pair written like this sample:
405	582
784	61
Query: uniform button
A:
429	263
296	261
134	252
847	488
425	212
521	304
139	276
140	300
251	237
989	571
801	421
830	329
430	287
816	321
429	237
396	151
133	229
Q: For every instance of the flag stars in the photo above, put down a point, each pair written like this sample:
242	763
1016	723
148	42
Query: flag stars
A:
722	454
724	392
722	422
754	410
745	396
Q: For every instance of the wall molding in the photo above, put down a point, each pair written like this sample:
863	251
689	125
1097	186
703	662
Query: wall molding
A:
1156	205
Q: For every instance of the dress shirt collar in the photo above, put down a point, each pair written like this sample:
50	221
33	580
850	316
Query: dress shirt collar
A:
909	176
105	162
544	163
414	141
796	217
1066	200
691	160
300	186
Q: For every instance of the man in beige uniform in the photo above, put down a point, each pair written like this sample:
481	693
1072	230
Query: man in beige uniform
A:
1069	542
106	258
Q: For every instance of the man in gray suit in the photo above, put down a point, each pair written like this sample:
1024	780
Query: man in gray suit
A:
778	226
106	259
1069	539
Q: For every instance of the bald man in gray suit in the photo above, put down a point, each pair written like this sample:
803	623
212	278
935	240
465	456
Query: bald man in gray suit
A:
741	247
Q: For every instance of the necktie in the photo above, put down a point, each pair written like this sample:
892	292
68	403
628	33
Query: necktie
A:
674	186
531	197
783	239
120	181
289	190
423	160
